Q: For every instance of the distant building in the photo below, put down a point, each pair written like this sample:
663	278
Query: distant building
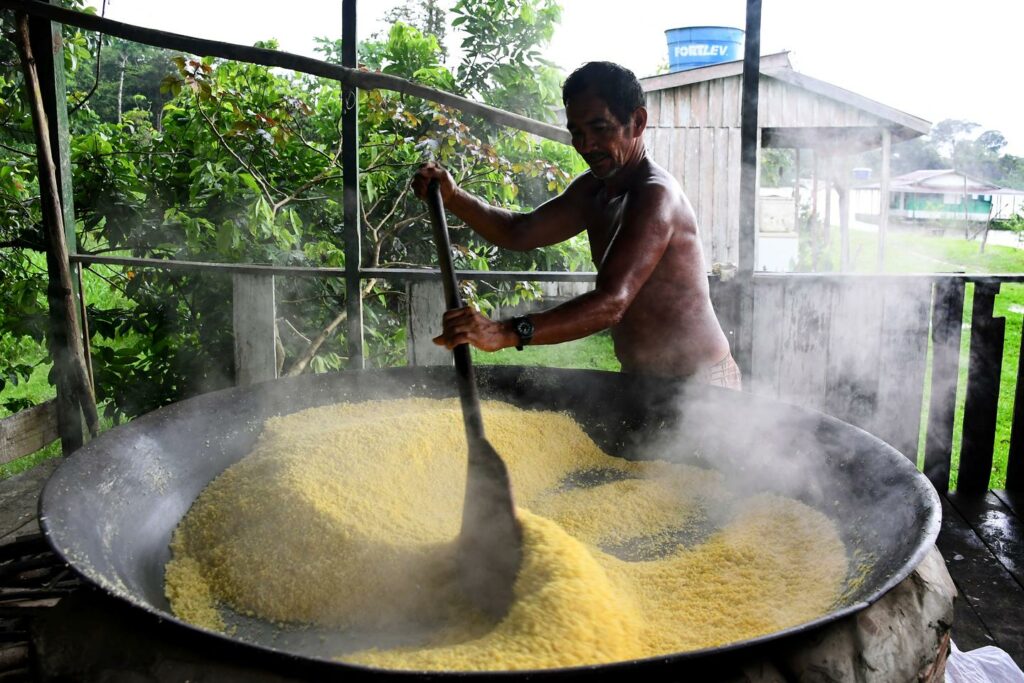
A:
941	194
693	130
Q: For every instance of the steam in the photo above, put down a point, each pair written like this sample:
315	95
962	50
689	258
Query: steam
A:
869	490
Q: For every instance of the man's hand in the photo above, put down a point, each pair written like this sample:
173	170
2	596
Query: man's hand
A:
468	326
433	171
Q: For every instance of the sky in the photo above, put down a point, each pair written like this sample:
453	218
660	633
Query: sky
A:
934	59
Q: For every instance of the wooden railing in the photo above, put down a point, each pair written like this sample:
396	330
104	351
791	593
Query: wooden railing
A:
855	346
859	347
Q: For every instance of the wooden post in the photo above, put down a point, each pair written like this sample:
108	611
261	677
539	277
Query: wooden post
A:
883	191
947	318
967	225
985	365
812	223
749	141
426	306
1015	457
796	194
254	313
74	391
350	179
843	188
827	222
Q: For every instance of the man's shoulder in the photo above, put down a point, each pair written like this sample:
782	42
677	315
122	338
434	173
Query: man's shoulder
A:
655	183
585	182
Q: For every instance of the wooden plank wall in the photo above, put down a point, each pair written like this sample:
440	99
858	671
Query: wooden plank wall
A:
28	431
854	348
694	131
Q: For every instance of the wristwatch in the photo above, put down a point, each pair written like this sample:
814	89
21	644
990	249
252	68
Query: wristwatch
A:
523	328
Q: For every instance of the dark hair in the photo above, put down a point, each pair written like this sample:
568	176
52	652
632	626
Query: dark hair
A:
614	84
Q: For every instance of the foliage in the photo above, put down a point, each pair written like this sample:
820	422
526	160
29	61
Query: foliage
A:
23	306
502	62
427	16
778	167
207	160
952	143
129	79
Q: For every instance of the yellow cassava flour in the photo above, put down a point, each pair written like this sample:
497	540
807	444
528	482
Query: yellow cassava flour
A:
345	517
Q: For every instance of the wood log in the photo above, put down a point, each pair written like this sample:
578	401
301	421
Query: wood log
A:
69	356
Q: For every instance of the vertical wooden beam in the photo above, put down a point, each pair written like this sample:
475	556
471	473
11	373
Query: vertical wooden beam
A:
947	317
46	41
749	140
350	178
48	51
40	48
426	306
796	191
827	222
1015	458
254	311
843	188
985	365
883	192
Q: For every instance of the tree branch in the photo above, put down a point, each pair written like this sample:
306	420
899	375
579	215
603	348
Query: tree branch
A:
15	150
257	176
96	82
302	362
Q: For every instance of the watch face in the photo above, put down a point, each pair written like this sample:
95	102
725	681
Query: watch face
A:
524	328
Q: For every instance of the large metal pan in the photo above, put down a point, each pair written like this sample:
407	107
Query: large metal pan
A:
111	508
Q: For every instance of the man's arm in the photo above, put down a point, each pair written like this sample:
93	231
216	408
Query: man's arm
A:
554	221
651	216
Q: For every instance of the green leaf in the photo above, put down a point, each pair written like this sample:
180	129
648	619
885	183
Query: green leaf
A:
249	181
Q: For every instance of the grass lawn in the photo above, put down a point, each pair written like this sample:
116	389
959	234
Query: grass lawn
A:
590	353
37	387
908	252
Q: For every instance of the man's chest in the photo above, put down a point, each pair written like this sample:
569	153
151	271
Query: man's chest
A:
603	222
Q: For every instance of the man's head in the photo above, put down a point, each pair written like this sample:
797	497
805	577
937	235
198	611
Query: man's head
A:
614	84
604	109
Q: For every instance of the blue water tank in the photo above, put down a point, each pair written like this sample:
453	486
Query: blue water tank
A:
694	46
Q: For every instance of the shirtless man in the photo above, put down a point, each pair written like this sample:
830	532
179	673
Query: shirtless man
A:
652	289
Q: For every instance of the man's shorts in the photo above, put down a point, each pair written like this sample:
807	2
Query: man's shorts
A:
724	373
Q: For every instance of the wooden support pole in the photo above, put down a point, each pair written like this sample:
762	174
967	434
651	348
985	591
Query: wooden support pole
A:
812	222
947	317
827	221
749	141
254	314
843	188
796	191
73	386
350	179
883	193
981	406
1015	458
425	308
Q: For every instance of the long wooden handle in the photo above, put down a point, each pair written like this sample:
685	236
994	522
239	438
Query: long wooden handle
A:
471	415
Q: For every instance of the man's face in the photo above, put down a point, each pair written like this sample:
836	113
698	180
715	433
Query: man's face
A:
603	141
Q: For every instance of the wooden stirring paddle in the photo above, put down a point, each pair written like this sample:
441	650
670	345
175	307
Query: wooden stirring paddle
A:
490	541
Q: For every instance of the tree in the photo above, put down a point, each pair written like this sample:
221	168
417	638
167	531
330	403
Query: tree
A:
427	16
501	60
242	164
130	75
945	133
